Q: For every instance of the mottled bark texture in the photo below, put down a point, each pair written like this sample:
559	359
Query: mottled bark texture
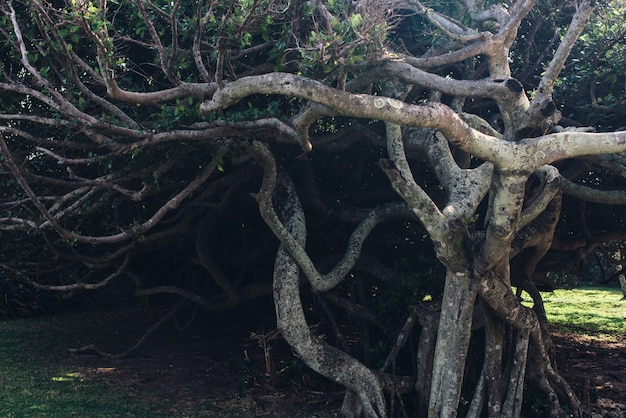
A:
455	326
364	390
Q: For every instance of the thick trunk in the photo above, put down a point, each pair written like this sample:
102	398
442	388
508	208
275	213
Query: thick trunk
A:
500	298
455	325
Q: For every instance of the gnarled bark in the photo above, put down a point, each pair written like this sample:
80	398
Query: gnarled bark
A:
364	390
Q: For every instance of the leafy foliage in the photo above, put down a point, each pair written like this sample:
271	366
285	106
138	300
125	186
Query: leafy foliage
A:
593	84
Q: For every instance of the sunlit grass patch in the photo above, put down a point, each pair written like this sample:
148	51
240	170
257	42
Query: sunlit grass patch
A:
595	311
39	379
70	377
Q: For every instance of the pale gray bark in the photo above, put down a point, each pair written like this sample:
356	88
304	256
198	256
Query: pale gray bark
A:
321	357
512	407
505	304
505	176
525	156
455	325
589	194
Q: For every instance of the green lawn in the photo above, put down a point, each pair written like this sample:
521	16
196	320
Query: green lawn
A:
594	311
39	379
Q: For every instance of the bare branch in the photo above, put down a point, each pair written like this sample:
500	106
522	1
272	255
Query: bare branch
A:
432	115
170	205
579	21
402	180
323	358
551	181
559	146
86	286
495	12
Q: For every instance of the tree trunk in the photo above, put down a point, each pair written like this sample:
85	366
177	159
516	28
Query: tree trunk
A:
455	325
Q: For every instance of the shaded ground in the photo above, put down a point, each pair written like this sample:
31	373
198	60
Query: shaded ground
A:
596	369
215	371
221	370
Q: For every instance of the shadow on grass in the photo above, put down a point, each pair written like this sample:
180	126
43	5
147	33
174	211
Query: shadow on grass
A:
191	374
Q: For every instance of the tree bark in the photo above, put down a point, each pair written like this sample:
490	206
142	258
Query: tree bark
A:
364	391
455	325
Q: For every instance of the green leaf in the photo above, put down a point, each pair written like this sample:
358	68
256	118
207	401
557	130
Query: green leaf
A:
356	20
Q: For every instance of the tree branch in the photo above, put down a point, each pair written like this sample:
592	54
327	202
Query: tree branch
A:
355	242
318	355
86	286
589	194
432	115
551	73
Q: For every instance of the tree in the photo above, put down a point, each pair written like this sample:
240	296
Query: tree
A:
371	133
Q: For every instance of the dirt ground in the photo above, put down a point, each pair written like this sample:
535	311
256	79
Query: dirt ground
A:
219	370
595	369
215	370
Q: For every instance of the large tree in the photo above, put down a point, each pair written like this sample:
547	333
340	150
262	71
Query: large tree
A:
140	140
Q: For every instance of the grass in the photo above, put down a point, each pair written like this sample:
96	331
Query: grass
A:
38	378
593	311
